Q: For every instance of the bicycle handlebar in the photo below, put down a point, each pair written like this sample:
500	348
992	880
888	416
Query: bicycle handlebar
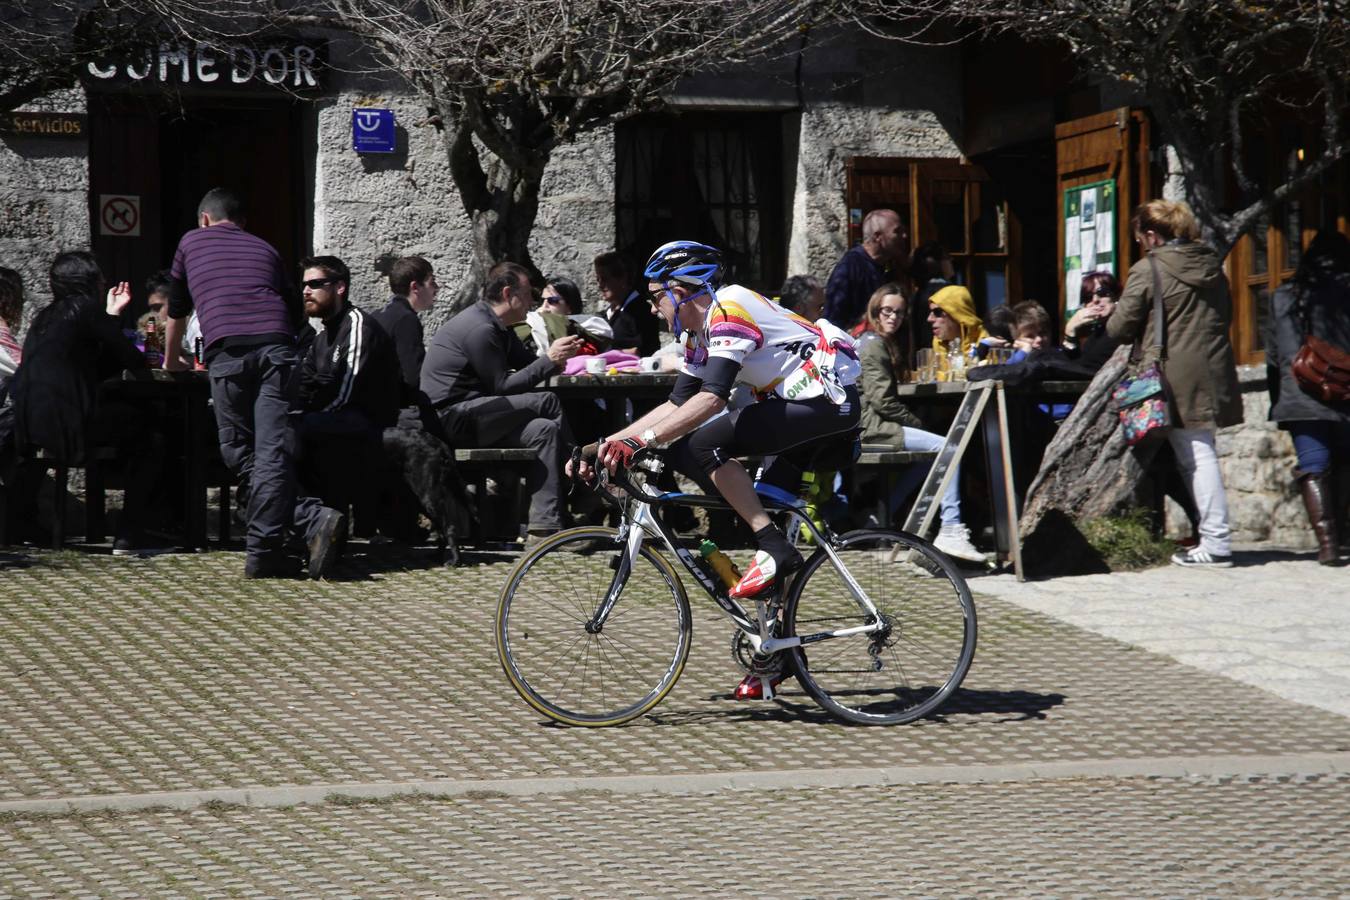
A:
650	456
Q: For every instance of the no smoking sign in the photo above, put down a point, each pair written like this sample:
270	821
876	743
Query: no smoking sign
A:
119	215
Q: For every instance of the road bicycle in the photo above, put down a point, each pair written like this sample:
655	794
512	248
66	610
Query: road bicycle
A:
593	626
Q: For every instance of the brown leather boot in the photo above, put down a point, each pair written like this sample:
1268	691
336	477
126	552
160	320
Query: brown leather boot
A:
1318	500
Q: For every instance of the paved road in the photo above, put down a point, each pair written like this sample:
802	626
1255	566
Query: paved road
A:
1276	620
1070	763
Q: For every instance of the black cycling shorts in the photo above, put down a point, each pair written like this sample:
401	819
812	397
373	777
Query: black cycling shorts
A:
768	427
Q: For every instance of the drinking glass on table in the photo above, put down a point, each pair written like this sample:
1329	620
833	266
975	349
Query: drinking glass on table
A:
923	366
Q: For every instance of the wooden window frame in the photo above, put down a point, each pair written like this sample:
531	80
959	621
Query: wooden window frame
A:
922	172
1240	266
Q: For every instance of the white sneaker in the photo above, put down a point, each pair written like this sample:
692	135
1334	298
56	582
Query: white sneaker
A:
1196	558
954	540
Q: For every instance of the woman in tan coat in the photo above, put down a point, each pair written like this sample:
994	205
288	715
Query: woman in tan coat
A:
1199	369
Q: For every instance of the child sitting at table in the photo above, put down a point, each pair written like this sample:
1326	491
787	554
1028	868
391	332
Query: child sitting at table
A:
1031	331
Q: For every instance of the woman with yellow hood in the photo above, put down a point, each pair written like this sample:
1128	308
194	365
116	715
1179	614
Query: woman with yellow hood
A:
952	315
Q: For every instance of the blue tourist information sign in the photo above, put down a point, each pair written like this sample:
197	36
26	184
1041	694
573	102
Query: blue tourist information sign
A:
373	130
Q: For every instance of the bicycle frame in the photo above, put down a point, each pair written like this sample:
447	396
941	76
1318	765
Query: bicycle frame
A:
637	526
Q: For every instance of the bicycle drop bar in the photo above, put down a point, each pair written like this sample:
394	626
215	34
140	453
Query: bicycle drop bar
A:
651	460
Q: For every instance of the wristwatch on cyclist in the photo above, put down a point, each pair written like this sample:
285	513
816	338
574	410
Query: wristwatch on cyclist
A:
649	438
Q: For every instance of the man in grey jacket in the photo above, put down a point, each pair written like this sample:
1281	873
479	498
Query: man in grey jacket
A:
479	378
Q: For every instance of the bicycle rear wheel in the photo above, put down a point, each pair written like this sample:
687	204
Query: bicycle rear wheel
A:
587	676
912	666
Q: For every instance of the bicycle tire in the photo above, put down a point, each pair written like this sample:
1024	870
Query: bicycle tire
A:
909	671
576	677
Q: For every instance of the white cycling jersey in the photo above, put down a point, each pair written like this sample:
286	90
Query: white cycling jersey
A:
779	352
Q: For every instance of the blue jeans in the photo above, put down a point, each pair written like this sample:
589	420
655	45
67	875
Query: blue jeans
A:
913	476
1317	442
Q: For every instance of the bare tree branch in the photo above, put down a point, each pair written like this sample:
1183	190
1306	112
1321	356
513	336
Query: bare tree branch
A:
1215	73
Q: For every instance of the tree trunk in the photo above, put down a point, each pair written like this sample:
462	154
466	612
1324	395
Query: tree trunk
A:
1087	472
501	201
502	227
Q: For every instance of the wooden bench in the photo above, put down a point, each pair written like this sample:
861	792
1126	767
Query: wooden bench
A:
477	464
886	459
886	463
94	510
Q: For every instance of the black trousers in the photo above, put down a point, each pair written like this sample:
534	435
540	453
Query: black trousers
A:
251	390
770	427
533	420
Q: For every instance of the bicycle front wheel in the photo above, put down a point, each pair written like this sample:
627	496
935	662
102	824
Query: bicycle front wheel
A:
566	666
910	667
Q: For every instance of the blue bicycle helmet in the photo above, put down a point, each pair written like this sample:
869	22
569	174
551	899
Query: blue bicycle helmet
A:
688	262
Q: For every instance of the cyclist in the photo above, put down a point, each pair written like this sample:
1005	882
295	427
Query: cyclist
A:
802	374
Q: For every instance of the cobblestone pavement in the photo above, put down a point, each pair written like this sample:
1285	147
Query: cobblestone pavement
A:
1121	838
175	674
1276	620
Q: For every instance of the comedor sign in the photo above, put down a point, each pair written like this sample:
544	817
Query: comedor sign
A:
290	64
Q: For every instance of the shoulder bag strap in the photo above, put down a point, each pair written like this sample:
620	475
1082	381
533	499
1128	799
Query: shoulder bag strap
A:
1159	319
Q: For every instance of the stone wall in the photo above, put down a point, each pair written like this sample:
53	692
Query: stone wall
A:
1257	461
44	199
865	101
369	208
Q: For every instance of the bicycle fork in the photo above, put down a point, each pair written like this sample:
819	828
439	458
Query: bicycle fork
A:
632	534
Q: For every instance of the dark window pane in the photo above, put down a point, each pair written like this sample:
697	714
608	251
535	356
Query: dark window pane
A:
715	179
949	214
990	287
1291	216
1261	300
1260	250
989	231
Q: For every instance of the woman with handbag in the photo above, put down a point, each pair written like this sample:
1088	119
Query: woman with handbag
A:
1194	352
1314	303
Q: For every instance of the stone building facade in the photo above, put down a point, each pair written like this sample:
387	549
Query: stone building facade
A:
851	99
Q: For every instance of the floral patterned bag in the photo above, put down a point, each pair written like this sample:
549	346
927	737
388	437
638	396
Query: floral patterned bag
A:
1141	402
1142	399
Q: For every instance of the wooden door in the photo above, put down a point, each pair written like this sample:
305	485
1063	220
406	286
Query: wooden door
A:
124	163
877	182
1112	145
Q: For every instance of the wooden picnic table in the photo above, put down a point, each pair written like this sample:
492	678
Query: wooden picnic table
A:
187	397
617	392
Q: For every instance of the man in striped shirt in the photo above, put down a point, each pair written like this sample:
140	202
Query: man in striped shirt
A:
236	283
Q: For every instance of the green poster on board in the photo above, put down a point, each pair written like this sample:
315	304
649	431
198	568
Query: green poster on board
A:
1089	235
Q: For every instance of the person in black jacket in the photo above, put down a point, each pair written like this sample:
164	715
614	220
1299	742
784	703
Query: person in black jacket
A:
75	343
414	285
1316	301
349	390
479	377
636	328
